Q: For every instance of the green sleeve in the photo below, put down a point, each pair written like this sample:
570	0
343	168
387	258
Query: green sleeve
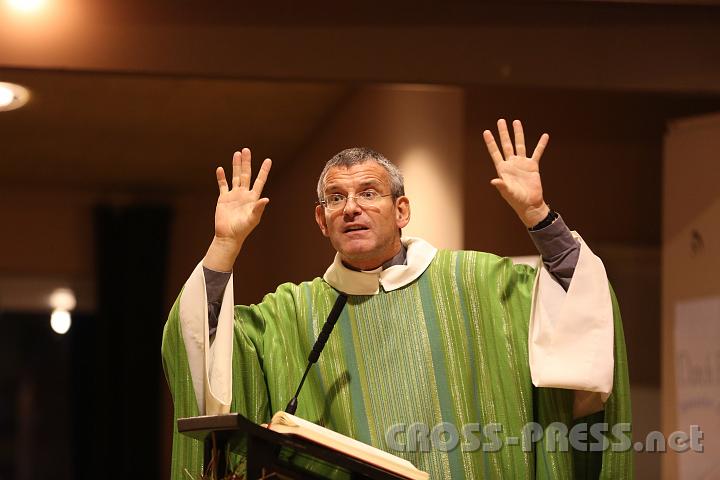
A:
187	454
618	413
555	405
257	330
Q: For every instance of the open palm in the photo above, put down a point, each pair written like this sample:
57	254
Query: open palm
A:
240	208
518	178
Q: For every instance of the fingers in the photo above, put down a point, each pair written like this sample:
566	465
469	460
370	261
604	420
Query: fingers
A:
245	168
519	138
236	169
502	188
505	138
542	143
222	183
242	172
506	143
499	184
259	207
262	177
492	147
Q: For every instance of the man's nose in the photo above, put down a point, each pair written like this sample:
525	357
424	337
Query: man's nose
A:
351	209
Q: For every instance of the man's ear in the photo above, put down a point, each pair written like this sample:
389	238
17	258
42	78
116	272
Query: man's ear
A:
402	211
320	219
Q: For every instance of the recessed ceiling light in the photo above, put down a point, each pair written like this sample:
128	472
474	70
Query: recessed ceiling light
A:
26	6
12	96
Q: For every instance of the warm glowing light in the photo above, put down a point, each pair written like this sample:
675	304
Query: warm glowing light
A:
12	96
26	6
60	321
62	299
6	96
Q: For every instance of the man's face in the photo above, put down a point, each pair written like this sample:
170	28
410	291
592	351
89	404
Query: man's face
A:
365	236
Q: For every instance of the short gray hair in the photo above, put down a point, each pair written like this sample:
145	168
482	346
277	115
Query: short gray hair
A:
357	155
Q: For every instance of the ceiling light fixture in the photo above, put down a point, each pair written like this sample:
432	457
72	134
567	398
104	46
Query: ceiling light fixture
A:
12	96
26	6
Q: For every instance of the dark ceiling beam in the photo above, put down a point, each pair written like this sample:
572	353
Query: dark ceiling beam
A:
566	45
408	12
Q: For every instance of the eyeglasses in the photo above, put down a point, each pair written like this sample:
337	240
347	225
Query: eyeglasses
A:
368	198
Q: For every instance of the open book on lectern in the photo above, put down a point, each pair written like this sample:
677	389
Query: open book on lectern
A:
283	422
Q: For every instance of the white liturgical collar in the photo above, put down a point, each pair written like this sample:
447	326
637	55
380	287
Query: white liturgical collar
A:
419	255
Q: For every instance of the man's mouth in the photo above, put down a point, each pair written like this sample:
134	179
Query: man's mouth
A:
355	228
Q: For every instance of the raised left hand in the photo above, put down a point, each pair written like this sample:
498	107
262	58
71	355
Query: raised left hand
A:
518	176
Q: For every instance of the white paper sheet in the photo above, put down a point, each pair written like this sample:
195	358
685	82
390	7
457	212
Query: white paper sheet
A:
697	373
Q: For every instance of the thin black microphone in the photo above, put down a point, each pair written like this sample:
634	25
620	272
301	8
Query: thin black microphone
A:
318	347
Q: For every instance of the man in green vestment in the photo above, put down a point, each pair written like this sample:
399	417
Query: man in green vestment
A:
461	340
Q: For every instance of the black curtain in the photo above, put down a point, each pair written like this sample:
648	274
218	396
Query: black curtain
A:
117	363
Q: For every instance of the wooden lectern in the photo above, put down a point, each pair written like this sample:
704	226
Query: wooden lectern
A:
269	452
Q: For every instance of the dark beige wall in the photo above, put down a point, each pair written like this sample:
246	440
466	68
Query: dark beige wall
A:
691	203
46	232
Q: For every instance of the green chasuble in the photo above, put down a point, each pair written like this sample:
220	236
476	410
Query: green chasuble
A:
451	346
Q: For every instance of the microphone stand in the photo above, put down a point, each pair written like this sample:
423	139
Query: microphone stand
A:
318	347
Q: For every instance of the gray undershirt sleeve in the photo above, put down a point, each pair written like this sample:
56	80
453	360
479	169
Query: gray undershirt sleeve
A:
215	283
558	248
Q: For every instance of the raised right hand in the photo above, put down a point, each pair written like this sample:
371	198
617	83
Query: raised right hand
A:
238	210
